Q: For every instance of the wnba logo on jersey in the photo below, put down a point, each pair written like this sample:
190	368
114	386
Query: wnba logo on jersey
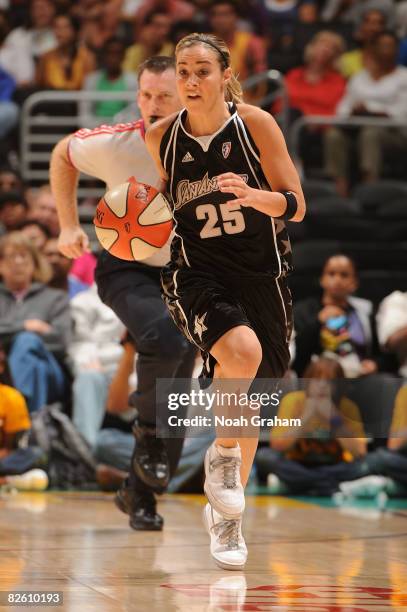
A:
226	148
187	191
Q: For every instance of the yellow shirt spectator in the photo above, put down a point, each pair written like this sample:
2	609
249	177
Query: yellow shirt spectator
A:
14	416
318	447
398	430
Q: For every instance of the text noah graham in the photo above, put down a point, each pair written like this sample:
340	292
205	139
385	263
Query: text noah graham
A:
240	421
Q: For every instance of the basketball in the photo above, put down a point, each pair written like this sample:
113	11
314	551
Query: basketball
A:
133	221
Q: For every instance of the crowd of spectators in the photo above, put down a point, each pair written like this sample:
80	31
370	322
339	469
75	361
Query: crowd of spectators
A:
61	344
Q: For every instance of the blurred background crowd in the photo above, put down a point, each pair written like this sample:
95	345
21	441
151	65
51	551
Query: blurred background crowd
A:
339	90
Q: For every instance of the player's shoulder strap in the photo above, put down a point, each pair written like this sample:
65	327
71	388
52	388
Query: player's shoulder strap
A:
168	139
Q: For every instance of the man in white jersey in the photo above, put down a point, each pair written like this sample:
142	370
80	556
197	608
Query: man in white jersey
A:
132	289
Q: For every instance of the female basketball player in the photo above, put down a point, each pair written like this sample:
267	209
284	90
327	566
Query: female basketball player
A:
225	285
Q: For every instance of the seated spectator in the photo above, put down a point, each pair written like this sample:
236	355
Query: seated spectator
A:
101	20
317	87
337	323
42	208
177	10
61	266
13	210
35	322
326	449
8	109
387	466
15	422
10	180
392	327
153	39
110	78
95	353
66	66
24	45
247	51
353	10
279	11
352	62
14	416
378	91
36	232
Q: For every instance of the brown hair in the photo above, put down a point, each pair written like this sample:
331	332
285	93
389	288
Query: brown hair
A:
156	64
42	269
233	91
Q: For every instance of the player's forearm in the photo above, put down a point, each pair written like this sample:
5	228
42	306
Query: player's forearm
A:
64	180
274	203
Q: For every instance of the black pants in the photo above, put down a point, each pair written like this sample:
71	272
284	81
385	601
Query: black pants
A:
322	480
132	290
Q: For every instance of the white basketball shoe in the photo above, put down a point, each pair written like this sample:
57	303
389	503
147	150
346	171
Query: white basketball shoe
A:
222	483
227	546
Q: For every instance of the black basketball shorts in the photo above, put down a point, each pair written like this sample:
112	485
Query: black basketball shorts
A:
205	308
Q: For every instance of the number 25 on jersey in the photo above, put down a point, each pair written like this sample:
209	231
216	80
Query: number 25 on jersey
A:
230	220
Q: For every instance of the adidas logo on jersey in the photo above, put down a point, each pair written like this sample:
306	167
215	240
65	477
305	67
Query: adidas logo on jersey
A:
188	157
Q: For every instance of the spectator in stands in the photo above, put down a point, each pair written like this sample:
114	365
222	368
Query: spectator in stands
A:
24	45
378	91
326	449
14	417
177	10
36	232
13	210
279	11
317	87
392	327
8	109
247	51
337	323
352	62
153	39
34	322
10	180
353	10
66	66
112	78
387	466
62	277
42	208
102	20
95	353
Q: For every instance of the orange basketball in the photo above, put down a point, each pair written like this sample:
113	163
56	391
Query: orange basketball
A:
133	221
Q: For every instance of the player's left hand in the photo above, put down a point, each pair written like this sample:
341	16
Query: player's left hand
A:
233	183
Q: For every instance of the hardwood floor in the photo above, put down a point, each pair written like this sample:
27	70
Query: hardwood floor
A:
302	557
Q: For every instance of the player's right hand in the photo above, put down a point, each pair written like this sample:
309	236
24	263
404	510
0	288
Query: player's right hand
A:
73	242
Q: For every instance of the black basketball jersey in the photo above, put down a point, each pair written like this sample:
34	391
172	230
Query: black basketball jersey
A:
212	236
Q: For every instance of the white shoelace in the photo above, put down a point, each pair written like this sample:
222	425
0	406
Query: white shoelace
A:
230	467
227	532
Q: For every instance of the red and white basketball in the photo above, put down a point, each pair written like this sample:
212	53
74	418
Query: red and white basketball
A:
133	221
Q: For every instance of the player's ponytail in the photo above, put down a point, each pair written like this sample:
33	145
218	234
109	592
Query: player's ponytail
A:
233	89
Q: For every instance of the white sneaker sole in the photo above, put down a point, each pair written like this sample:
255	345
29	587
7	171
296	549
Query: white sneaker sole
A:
221	564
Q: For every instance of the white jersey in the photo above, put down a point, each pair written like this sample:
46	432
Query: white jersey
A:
113	154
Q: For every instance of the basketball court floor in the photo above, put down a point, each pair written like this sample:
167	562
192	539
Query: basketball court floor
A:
303	556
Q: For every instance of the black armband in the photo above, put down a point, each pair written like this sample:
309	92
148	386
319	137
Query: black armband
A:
292	206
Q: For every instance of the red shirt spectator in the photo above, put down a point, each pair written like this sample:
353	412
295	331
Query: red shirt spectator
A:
315	97
317	87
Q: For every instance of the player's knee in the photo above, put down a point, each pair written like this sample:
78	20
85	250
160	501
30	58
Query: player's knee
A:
243	355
